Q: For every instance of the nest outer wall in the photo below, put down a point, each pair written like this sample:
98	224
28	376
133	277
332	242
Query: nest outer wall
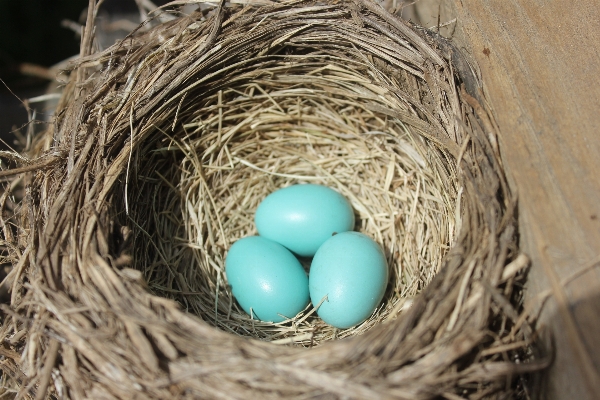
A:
84	318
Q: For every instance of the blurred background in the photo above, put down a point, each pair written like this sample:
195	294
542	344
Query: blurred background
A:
31	40
36	38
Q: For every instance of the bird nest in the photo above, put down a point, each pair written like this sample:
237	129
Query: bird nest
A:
162	148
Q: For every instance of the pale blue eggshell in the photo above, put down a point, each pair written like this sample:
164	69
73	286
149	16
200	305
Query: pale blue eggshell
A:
351	270
266	277
303	217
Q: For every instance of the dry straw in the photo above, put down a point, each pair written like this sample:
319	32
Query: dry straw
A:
162	148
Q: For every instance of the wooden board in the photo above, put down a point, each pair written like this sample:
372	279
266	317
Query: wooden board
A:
540	66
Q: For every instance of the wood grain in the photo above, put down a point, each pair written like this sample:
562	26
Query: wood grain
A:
540	66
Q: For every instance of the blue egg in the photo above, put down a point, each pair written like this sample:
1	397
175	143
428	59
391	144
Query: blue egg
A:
303	217
351	270
266	279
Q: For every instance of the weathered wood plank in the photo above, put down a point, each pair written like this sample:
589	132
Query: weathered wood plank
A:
540	66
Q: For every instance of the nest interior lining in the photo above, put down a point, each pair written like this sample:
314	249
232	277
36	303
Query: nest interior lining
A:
153	135
262	131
